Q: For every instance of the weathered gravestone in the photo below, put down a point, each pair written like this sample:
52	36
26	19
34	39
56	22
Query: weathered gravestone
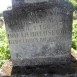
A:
39	32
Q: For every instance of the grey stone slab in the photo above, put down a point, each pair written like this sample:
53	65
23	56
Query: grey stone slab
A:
20	3
23	3
40	34
47	75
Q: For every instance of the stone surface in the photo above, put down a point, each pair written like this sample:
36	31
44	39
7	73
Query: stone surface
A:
22	3
40	34
57	70
28	70
46	75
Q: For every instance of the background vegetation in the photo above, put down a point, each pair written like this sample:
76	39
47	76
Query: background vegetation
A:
74	31
4	49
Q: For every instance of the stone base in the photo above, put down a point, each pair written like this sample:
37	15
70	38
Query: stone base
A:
55	70
46	75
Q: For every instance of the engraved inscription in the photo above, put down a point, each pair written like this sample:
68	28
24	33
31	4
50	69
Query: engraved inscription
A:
40	31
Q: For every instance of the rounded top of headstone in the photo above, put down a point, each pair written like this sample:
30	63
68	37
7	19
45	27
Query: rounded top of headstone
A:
23	3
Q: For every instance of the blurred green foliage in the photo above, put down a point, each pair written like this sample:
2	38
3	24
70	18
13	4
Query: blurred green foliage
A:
74	31
1	14
74	2
4	49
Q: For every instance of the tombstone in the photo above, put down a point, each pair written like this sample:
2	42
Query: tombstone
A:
39	32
